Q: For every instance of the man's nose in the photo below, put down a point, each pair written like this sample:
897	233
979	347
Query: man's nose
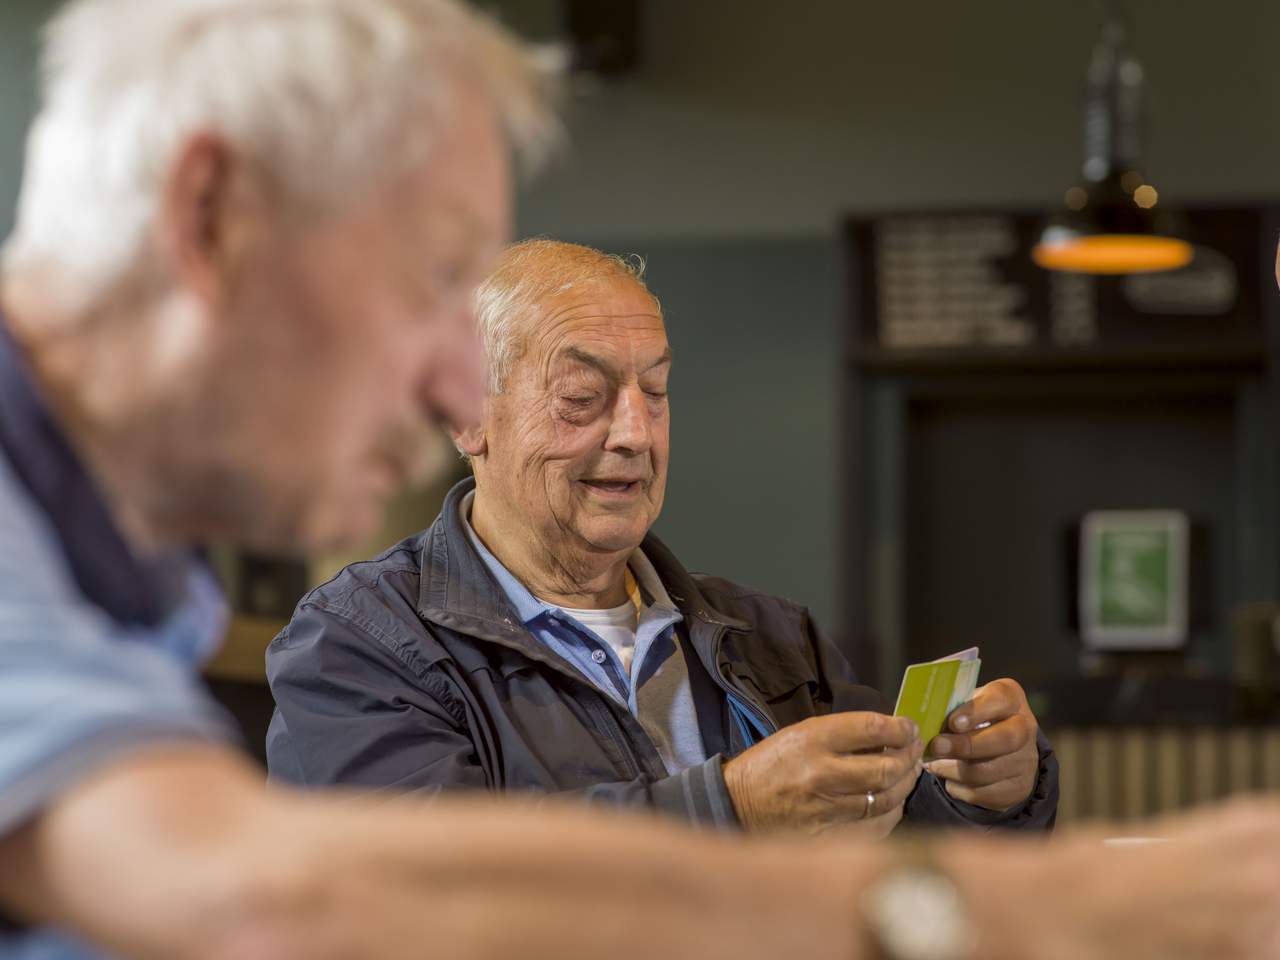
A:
632	428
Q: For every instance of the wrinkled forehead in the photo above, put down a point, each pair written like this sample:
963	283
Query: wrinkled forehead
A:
617	320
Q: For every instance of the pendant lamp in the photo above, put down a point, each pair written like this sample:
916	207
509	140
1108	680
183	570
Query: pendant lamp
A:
1113	221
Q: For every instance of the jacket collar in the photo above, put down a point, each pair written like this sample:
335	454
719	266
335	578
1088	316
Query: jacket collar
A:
459	592
457	589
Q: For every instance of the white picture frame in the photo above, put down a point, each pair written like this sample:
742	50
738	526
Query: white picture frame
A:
1133	579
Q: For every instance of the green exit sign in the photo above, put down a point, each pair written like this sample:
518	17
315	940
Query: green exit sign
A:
1133	579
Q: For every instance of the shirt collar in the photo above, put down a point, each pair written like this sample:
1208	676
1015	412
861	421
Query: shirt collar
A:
528	607
651	588
130	589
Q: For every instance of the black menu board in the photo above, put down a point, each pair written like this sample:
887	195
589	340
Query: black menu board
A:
951	287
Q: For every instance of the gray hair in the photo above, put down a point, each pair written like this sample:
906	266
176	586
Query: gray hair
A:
326	97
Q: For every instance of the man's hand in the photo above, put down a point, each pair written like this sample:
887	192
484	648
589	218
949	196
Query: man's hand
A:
818	773
1212	890
988	755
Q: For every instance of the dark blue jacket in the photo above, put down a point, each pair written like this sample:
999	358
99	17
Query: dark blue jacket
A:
411	671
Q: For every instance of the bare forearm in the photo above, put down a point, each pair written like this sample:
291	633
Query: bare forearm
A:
494	879
186	855
144	857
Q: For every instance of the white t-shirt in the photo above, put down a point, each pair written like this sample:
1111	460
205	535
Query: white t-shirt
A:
616	626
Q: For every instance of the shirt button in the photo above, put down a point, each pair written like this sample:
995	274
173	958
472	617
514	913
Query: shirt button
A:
598	656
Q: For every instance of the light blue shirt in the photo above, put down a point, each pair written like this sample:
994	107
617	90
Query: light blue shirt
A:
82	686
656	692
77	691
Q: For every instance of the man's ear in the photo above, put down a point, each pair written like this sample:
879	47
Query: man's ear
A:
471	440
198	209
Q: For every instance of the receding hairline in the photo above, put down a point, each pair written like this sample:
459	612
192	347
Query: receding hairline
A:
533	280
546	267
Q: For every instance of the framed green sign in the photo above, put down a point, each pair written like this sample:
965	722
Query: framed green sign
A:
1133	579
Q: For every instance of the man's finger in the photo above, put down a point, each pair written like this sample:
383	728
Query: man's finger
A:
874	772
981	774
855	731
997	796
888	800
997	740
952	770
855	806
991	703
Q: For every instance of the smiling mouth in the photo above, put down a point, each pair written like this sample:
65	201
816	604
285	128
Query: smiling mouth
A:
617	488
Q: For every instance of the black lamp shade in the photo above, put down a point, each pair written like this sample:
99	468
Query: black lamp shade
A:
1112	222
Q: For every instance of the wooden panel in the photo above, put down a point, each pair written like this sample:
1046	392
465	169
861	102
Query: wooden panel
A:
1240	760
1100	773
1135	803
1271	760
243	653
1168	748
1066	744
1132	774
1204	766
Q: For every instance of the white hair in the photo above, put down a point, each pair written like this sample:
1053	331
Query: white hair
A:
325	97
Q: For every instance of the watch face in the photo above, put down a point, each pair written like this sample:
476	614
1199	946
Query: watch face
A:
916	913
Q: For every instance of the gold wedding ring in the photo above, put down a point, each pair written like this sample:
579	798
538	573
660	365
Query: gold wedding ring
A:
871	806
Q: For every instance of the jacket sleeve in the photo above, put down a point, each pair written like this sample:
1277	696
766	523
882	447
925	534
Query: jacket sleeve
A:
929	804
352	710
697	796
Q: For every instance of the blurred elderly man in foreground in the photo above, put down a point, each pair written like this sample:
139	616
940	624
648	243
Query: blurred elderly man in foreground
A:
241	276
539	636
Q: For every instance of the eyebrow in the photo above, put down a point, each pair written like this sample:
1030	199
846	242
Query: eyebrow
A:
591	360
665	358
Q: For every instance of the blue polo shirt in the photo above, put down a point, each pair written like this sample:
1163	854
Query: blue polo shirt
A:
656	690
99	647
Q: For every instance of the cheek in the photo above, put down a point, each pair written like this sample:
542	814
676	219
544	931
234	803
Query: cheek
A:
548	441
382	362
356	411
661	450
662	435
524	447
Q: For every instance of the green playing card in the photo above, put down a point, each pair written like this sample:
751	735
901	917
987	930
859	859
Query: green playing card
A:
930	691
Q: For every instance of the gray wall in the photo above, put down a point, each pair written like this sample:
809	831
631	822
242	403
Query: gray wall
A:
753	126
758	117
19	24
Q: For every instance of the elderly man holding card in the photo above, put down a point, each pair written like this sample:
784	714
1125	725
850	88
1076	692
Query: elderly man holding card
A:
539	638
981	742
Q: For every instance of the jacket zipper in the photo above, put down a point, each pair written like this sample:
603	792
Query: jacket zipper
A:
603	705
632	757
744	698
600	703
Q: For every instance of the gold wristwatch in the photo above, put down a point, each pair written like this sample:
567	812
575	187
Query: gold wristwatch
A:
915	911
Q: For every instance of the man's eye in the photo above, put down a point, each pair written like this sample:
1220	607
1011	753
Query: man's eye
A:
657	394
581	400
